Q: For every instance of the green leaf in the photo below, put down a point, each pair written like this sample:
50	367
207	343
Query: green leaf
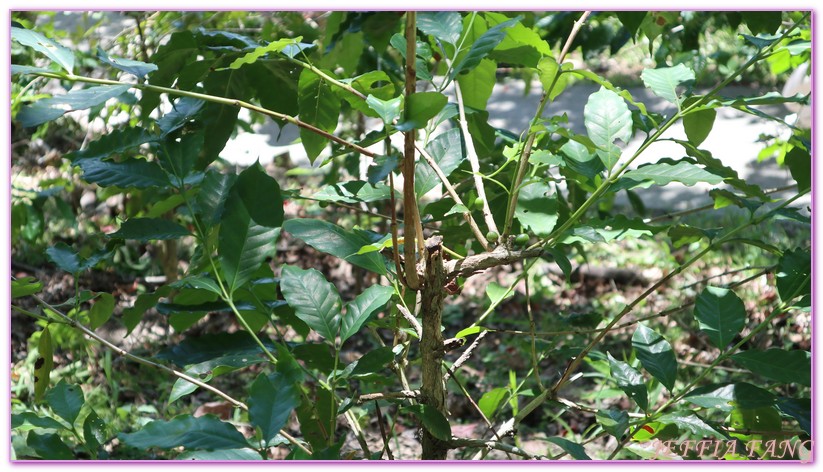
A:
726	396
688	421
179	157
66	400
614	422
433	421
698	125
388	110
762	422
469	331
30	419
52	108
355	191
137	68
665	81
116	142
315	301
766	22
244	454
319	106
130	173
199	282
220	119
359	310
799	163
43	364
372	362
580	160
630	381
443	25
721	315
607	118
778	364
94	431
655	355
101	311
243	244
271	401
482	47
547	70
184	110
476	85
420	108
274	46
794	274
149	229
49	446
447	151
575	450
25	286
211	352
65	258
522	45
799	409
62	55
535	209
261	196
664	174
334	240
631	20
491	401
204	432
211	200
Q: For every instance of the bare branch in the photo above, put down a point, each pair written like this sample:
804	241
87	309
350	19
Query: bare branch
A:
500	256
408	394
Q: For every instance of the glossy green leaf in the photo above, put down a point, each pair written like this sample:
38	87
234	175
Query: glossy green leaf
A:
214	191
387	110
319	106
29	419
49	109
334	240
760	425
184	110
688	421
614	422
62	55
655	355
315	301
179	157
630	381
447	151
261	196
130	66
220	119
359	310
94	431
665	81
476	86
491	401
607	119
49	446
698	125
204	432
631	20
664	174
101	311
726	396
420	108
443	25
469	331
794	274
522	45
130	173
536	208
243	244
799	163
149	229
574	449
66	400
721	315
25	286
65	258
497	292
43	364
115	142
271	401
372	362
482	47
766	22
272	47
799	409
245	454
551	77
433	421
580	160
778	364
200	282
355	191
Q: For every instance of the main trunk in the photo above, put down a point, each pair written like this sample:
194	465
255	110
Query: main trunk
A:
433	390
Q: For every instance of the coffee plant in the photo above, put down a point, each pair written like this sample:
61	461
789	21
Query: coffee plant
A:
391	109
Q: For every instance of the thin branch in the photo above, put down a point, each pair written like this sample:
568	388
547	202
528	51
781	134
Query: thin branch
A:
383	433
465	356
401	395
710	206
412	231
450	189
412	320
501	255
488	445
